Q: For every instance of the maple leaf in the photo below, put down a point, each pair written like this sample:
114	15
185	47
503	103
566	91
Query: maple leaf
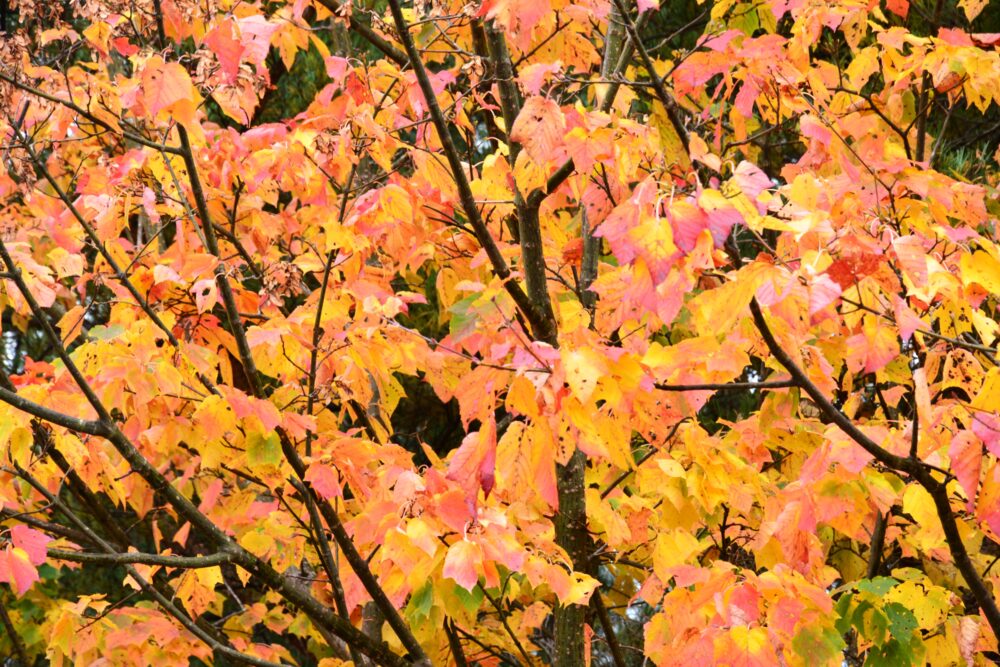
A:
704	363
227	47
31	541
16	569
324	480
473	463
167	86
463	563
540	128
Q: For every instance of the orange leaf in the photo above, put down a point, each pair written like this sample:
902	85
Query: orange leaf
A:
167	86
539	128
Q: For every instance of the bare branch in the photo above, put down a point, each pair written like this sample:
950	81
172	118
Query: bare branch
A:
136	558
468	200
726	386
597	602
76	424
15	638
669	105
369	35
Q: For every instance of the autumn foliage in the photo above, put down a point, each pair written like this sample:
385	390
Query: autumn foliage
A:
539	332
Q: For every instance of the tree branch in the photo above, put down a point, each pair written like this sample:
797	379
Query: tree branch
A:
727	386
147	587
120	275
669	105
131	136
878	542
350	551
117	558
465	194
212	245
609	630
914	467
328	561
15	638
369	35
560	175
76	424
318	612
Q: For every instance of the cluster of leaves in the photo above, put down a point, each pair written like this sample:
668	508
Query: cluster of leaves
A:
709	330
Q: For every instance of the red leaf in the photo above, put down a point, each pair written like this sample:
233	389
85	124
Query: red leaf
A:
898	7
227	48
324	480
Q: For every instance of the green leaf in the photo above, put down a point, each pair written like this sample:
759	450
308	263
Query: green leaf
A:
878	586
819	645
110	332
421	601
263	450
463	316
843	609
470	599
891	654
871	623
902	622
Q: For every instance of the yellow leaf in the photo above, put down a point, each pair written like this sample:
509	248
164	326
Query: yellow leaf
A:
463	563
983	269
584	368
671	147
929	603
715	311
673	548
918	503
263	450
973	8
527	173
989	393
700	152
20	446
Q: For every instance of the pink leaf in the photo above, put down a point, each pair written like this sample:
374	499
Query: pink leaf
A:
987	427
473	464
912	258
255	33
966	454
206	294
906	319
16	569
533	77
337	68
324	480
32	541
463	562
822	292
751	179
